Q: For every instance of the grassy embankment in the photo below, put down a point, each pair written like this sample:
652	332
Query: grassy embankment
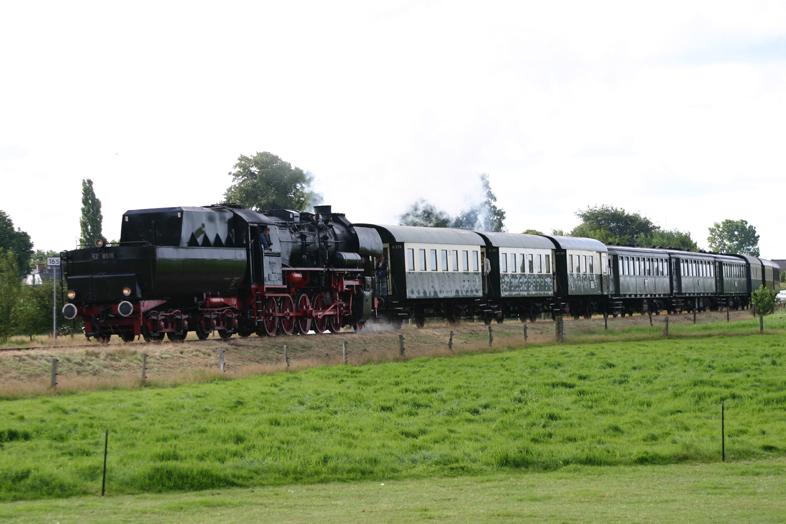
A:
649	402
93	366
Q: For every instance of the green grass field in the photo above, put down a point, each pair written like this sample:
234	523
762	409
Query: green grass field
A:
731	492
537	409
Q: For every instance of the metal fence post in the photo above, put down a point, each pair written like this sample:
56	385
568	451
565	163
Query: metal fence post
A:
103	474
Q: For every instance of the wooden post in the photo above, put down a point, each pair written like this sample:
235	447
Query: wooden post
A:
144	368
649	313
728	315
723	432
491	336
695	307
606	321
401	346
221	362
559	328
344	351
53	377
450	341
526	334
103	474
286	355
666	327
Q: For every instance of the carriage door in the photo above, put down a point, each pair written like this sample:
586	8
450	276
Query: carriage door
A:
676	275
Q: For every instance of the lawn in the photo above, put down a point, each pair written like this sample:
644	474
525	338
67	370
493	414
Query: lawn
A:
731	492
539	408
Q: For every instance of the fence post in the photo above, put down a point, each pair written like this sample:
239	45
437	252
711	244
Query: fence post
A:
559	328
723	432
401	345
53	377
450	341
649	314
606	321
666	327
695	307
344	351
491	336
221	362
103	474
526	334
144	368
286	355
728	316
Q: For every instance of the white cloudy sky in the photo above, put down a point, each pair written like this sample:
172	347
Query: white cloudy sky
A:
672	109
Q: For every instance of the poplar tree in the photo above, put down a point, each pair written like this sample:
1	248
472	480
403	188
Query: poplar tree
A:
90	221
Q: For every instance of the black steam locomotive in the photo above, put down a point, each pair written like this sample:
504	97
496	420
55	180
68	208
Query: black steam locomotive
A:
223	269
231	270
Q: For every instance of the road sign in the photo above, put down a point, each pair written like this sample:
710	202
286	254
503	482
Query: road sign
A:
53	261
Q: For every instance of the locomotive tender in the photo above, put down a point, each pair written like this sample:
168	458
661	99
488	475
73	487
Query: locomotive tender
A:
237	271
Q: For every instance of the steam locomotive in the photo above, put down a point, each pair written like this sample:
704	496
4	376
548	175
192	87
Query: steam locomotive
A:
230	270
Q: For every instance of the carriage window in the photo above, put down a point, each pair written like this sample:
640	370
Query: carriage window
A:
531	260
548	264
444	261
583	263
649	267
523	262
410	259
475	261
591	265
621	263
454	257
570	264
513	266
578	264
503	263
465	260
433	258
540	263
421	259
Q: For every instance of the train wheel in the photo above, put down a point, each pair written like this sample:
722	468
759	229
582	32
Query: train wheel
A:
245	327
201	332
127	336
288	315
225	334
303	322
270	321
178	336
149	336
320	322
104	338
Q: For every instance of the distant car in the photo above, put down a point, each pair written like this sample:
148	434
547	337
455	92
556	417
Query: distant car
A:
781	296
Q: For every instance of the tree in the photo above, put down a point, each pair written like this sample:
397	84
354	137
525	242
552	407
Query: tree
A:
264	181
90	221
423	213
531	232
16	241
669	239
613	225
10	286
764	304
493	216
734	236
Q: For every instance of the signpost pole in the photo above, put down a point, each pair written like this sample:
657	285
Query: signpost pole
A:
54	263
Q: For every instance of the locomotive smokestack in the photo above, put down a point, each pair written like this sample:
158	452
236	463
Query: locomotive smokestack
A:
323	211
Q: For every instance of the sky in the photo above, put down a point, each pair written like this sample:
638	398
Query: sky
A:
675	110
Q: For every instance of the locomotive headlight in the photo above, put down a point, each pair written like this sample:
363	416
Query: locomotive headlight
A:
101	242
71	294
126	291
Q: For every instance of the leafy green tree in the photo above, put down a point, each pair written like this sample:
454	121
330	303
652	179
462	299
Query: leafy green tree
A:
10	287
531	232
91	219
734	236
764	303
16	241
613	225
264	181
669	239
493	216
423	213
